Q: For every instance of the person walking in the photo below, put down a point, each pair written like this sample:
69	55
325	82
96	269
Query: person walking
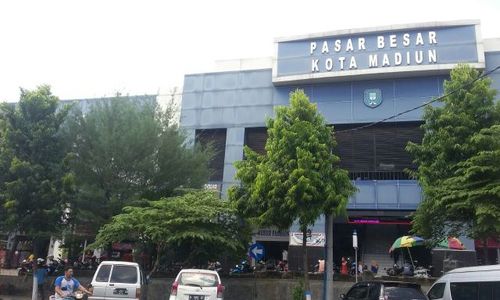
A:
360	267
374	267
41	274
343	266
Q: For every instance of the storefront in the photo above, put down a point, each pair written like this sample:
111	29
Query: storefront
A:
356	77
488	252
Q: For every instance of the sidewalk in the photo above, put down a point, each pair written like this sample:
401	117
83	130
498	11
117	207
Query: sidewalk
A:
8	272
9	297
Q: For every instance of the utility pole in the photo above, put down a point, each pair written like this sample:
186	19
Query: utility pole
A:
34	293
355	246
329	257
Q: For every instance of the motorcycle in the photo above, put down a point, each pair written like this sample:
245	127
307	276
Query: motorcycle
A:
353	269
78	295
56	267
422	272
336	269
243	267
25	268
215	266
396	270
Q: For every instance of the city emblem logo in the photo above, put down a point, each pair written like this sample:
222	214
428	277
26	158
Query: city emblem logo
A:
373	98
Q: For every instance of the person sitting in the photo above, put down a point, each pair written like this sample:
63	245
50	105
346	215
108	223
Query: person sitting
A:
407	269
66	285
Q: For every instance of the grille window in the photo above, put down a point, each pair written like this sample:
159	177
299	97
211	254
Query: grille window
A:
377	152
255	139
217	139
373	153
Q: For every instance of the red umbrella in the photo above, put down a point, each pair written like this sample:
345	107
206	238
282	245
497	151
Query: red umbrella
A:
451	243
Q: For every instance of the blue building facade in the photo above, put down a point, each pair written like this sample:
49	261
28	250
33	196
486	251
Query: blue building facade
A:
355	77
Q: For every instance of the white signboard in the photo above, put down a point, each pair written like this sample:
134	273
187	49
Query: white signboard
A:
317	239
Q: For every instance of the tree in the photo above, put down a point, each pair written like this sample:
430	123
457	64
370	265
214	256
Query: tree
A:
197	221
458	195
32	180
471	196
298	178
123	150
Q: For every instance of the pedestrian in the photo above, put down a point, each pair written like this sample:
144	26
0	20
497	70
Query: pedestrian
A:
360	267
374	267
284	255
343	266
321	265
41	275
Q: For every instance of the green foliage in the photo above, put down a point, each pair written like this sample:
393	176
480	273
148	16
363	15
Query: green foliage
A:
197	220
450	142
122	151
472	195
298	291
32	185
298	178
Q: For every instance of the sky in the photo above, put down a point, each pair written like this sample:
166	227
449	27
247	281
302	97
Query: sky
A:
90	49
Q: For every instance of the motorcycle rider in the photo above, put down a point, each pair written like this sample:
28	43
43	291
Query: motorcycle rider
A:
66	285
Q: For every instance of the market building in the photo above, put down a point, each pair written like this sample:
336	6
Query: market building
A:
356	77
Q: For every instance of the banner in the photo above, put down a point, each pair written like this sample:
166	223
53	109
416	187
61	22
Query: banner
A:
316	239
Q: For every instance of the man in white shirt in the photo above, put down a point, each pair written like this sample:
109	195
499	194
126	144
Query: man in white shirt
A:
66	285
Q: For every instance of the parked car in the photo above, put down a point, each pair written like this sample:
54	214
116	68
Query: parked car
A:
118	280
387	290
471	283
197	284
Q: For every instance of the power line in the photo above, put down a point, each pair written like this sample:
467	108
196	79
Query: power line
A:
422	105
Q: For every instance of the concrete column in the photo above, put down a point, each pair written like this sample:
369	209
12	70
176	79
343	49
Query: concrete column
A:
190	136
329	257
235	140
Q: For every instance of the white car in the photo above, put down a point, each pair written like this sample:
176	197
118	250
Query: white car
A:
471	283
197	284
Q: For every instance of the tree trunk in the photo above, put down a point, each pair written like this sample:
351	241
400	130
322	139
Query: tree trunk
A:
304	253
40	247
485	252
10	263
157	261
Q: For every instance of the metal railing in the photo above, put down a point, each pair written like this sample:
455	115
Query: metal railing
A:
379	175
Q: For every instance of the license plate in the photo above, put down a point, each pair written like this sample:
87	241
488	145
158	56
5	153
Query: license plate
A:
196	297
120	292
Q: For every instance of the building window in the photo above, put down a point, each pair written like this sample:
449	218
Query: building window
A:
373	153
215	138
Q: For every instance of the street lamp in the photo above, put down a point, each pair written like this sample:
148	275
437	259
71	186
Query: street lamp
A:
355	246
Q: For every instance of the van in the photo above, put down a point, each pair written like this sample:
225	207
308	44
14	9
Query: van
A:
471	283
118	280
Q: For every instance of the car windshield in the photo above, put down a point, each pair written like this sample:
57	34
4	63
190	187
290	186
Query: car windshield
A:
403	292
198	279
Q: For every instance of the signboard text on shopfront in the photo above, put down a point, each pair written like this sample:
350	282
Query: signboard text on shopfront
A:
341	54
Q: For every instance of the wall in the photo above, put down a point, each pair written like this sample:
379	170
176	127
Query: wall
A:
247	98
243	99
236	288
